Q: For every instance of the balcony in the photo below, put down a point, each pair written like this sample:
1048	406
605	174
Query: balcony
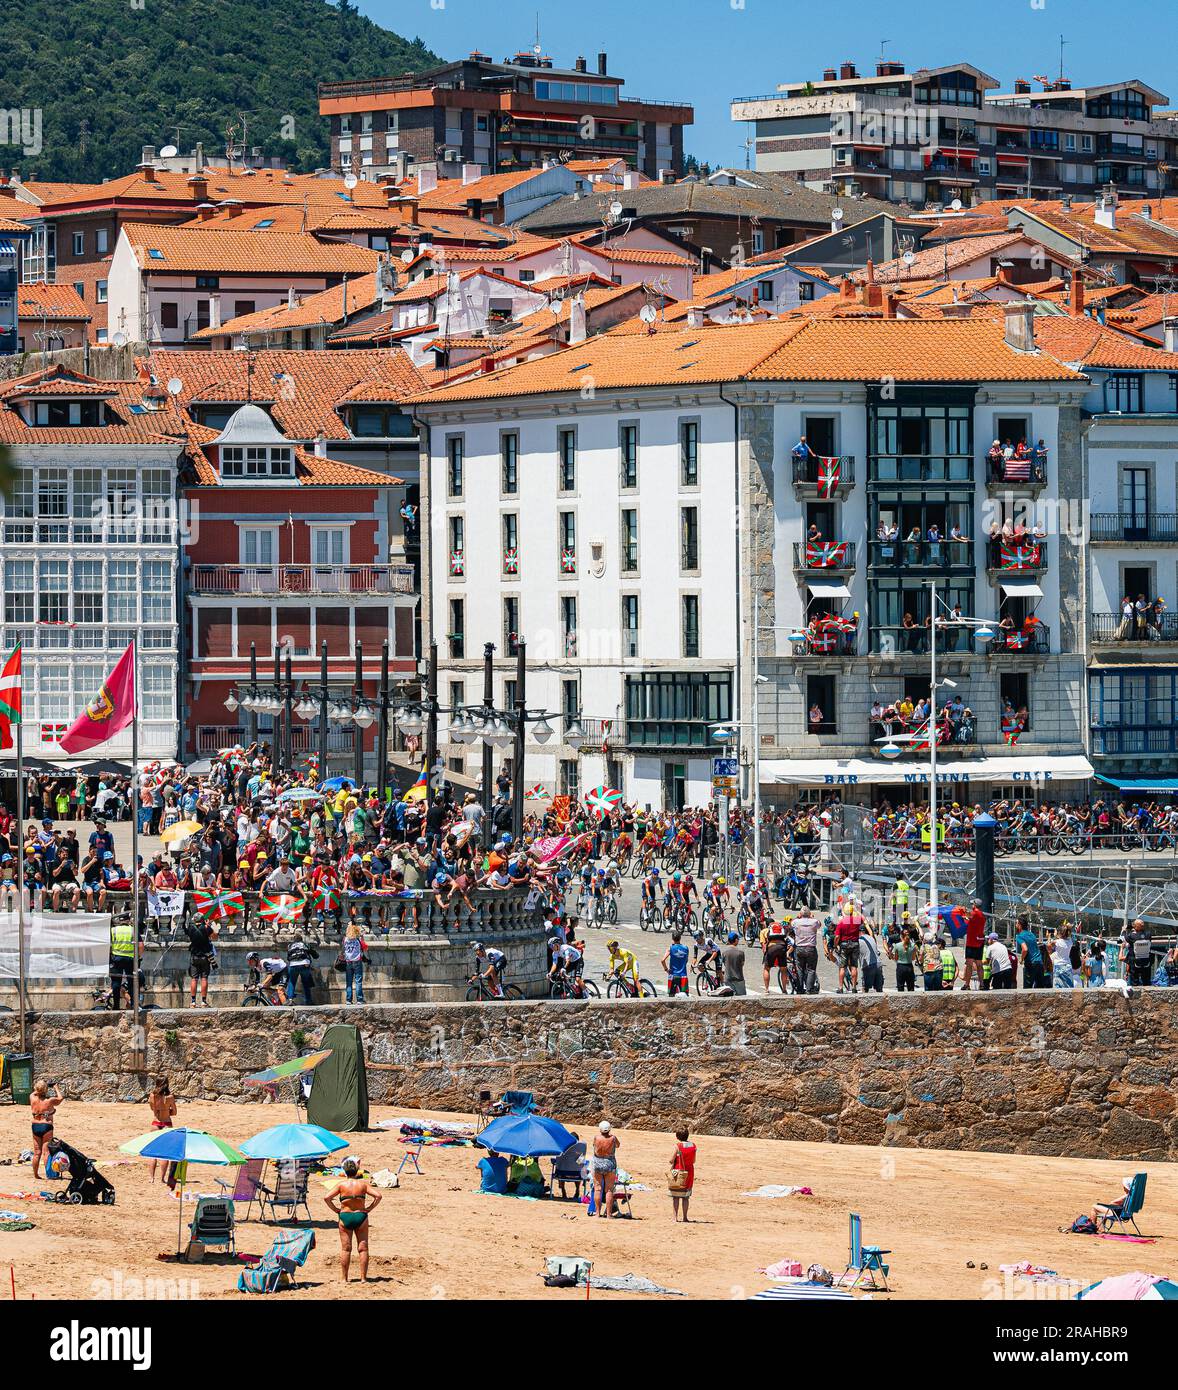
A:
1133	741
824	557
921	468
1124	528
1022	641
912	741
898	641
1016	559
815	477
941	555
1110	628
1020	477
212	738
348	581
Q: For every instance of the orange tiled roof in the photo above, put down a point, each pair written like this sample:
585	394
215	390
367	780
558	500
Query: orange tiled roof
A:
793	349
130	423
191	249
1086	343
933	261
318	380
453	194
255	188
36	299
311	470
325	307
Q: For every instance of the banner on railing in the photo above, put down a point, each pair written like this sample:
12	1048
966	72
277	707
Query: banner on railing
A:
168	903
58	945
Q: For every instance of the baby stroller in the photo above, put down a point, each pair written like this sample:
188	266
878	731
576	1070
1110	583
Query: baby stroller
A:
87	1186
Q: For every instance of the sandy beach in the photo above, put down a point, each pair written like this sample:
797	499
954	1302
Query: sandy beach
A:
436	1237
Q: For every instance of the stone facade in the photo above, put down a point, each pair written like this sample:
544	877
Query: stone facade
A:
1083	1074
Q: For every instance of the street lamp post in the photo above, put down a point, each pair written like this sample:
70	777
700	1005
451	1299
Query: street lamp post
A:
276	712
288	713
431	725
358	732
323	711
252	727
488	756
382	736
521	716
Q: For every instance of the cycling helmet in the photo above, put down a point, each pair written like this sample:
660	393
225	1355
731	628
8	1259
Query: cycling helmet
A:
677	876
722	881
555	941
601	873
654	871
506	839
252	957
611	945
476	946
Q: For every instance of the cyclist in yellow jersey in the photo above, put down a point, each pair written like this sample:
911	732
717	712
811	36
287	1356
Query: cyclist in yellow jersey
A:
623	962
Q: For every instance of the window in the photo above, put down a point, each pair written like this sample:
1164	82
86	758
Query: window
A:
629	541
509	459
689	453
568	623
329	545
100	291
102	241
88	591
80	289
122	588
821	705
157	689
157	591
819	431
457	528
53	592
511	626
689	534
628	452
1122	392
68	413
169	314
243	306
568	542
567	454
1135	503
629	624
454	465
208	282
510	543
18	591
261	461
457	694
78	241
259	545
758	241
691	625
457	634
566	777
676	709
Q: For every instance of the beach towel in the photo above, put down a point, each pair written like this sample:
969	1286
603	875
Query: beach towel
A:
779	1190
632	1283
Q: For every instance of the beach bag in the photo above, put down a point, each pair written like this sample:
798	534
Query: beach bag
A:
819	1274
677	1180
1081	1226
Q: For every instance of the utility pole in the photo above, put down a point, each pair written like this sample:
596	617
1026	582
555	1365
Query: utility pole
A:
488	754
521	720
358	735
382	736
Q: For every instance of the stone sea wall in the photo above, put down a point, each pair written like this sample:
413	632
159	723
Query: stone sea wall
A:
1088	1074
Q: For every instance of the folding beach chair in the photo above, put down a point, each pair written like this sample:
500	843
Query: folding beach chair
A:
289	1192
1122	1213
518	1103
567	1168
212	1224
276	1269
245	1186
866	1260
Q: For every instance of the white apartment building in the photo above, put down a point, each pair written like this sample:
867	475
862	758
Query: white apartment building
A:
90	553
633	508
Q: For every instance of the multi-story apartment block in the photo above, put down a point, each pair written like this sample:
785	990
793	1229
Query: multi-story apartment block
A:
937	135
90	554
638	509
501	116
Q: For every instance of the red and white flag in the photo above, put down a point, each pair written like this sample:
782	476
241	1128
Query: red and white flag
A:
10	697
111	710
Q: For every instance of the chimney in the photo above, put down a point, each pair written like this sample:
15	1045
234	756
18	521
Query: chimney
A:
1170	334
889	306
848	72
1020	324
320	446
666	176
233	207
290	297
198	158
1065	202
1105	214
148	156
474	209
427	179
576	321
471	173
214	311
957	310
846	288
581	65
205	210
601	65
200	188
7	190
1146	212
630	179
829	74
1076	295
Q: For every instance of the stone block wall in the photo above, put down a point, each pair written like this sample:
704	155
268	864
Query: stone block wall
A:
1085	1074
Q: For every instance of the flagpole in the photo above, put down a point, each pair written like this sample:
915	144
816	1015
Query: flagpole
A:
135	1001
20	871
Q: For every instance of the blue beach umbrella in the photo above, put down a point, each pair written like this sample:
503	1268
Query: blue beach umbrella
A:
525	1136
333	784
293	1141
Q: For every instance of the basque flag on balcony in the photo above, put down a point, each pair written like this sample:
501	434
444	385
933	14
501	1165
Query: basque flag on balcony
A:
281	907
828	476
826	554
1018	557
219	903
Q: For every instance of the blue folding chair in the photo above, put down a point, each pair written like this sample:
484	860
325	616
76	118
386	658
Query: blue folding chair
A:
212	1223
1122	1213
866	1260
518	1103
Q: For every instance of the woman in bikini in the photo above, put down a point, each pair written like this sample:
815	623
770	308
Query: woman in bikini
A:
605	1168
163	1112
43	1104
348	1200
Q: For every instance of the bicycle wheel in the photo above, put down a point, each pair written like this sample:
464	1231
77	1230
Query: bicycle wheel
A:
648	989
252	1001
616	990
1051	844
591	989
555	991
611	911
703	983
473	994
512	992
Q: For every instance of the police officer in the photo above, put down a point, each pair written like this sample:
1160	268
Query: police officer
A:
122	960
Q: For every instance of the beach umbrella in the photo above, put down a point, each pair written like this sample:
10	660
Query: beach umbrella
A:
525	1136
288	1071
139	1143
189	1146
333	784
802	1290
603	798
293	1141
1132	1288
300	794
182	830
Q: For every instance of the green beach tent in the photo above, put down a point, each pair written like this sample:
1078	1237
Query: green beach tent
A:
339	1091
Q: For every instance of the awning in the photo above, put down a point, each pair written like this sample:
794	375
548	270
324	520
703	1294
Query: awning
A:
852	772
1020	588
1167	786
828	588
7	248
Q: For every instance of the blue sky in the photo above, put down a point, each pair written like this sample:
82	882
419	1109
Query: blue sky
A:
707	51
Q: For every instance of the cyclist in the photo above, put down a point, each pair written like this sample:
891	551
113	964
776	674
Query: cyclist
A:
496	967
267	972
585	892
651	887
599	889
707	954
622	963
751	899
613	876
567	964
675	964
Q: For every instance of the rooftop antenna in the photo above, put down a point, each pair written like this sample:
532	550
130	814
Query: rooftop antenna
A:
1062	41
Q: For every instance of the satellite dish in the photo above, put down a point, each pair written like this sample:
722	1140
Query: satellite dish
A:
169	152
175	386
909	257
956	204
615	209
350	181
119	339
648	313
836	214
407	256
554	308
537	50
